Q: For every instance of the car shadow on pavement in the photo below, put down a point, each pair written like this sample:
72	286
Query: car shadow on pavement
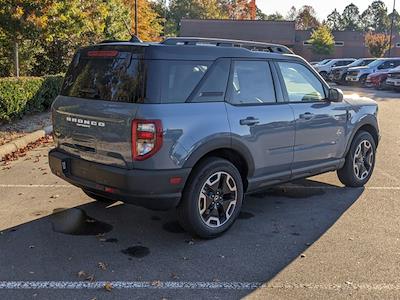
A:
128	243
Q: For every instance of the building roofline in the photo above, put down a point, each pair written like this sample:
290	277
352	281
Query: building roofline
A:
241	21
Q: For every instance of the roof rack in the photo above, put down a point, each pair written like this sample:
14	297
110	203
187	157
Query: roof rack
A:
254	46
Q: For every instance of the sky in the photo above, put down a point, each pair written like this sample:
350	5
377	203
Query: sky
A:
322	7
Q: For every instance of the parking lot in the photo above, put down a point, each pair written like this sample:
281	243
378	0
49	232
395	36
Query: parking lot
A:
308	239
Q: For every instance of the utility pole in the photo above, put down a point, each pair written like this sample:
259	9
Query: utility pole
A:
136	18
391	28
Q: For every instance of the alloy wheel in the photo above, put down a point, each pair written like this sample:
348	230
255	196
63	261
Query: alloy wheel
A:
217	199
363	160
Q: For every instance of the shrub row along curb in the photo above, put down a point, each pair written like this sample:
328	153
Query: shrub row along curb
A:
27	94
22	142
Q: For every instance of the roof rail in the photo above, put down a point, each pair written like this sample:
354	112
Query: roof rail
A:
254	46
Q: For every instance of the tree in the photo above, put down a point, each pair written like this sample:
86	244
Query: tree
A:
275	17
322	40
306	18
149	21
46	33
334	20
196	9
377	43
292	14
260	15
375	17
350	19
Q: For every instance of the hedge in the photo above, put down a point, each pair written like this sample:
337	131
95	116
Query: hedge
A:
27	94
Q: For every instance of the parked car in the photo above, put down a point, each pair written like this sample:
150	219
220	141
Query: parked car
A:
326	68
322	62
338	74
358	75
179	125
393	79
378	79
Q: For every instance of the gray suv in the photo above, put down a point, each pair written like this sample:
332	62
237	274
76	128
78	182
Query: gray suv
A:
194	124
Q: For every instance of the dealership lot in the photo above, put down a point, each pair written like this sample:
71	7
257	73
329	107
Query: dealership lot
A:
309	239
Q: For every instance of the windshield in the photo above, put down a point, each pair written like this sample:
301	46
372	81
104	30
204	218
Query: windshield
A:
360	62
325	61
375	63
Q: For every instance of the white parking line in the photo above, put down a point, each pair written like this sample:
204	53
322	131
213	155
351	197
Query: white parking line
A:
78	285
279	186
36	185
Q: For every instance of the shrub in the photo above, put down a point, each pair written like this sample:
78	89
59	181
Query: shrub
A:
322	40
27	94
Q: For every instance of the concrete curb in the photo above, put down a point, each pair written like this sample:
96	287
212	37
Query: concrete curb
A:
23	141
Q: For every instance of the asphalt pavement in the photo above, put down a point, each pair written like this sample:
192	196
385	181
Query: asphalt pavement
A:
312	238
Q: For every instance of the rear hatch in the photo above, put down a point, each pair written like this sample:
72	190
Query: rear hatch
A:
99	99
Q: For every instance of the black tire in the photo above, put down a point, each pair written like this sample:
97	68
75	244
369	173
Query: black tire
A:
324	75
347	174
188	210
97	197
362	81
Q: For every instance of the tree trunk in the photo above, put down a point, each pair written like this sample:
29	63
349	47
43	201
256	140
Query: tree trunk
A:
16	59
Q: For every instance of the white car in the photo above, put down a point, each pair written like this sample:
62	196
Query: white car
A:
326	68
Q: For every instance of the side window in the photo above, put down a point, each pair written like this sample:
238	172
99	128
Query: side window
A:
181	79
301	84
390	64
214	86
251	83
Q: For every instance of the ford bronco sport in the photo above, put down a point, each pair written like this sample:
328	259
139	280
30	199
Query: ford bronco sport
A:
194	124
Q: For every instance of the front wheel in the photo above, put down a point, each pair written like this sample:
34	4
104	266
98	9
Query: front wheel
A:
360	161
212	199
324	75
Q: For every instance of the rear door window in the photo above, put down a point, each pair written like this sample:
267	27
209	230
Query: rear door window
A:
181	78
251	83
213	87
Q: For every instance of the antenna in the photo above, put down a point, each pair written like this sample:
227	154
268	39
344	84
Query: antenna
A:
134	38
128	29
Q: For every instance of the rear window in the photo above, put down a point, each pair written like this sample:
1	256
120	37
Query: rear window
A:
105	75
123	76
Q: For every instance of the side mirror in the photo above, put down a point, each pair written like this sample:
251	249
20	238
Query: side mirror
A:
335	95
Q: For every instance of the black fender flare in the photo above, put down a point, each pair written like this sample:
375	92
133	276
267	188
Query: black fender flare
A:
221	143
366	120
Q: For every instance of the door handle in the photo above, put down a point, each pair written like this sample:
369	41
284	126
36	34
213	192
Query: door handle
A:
307	116
249	121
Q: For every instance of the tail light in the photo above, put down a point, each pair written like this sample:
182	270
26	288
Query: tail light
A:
147	138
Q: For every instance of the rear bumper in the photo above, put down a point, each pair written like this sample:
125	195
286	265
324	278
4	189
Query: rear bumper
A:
148	188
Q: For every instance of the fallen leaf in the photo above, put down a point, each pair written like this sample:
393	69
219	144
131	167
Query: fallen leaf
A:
90	277
82	274
102	266
156	283
108	286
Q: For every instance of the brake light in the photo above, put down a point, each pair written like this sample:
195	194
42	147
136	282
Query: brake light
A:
147	138
103	53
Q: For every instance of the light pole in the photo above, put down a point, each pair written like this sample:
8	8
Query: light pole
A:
391	28
136	18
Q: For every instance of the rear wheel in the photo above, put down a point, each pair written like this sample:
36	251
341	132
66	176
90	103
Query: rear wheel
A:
97	197
360	161
212	198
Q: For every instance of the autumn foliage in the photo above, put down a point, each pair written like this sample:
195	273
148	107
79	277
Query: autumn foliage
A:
377	43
